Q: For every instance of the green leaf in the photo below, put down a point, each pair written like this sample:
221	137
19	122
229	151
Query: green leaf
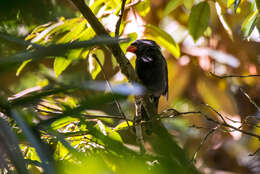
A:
143	7
60	64
123	125
188	4
63	122
61	152
107	131
74	32
45	32
21	67
223	20
249	24
41	33
199	19
87	34
172	5
162	38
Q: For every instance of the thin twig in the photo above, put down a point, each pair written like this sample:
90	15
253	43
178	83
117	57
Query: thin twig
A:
238	76
128	6
170	113
202	143
253	154
120	18
224	124
230	126
250	99
245	121
110	88
198	127
222	118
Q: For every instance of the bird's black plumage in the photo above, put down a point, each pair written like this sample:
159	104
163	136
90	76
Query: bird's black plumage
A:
151	67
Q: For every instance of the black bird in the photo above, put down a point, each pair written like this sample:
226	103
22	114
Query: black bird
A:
151	68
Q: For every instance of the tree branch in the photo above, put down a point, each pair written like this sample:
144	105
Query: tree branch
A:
230	76
124	63
120	18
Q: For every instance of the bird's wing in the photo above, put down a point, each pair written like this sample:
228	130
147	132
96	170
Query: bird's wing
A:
166	77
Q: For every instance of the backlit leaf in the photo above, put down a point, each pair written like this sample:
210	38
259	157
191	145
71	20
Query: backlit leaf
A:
249	24
60	64
188	4
123	125
199	19
223	20
162	38
143	7
74	33
22	66
172	5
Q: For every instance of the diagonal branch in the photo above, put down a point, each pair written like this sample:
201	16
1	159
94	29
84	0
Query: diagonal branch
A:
124	63
120	18
250	99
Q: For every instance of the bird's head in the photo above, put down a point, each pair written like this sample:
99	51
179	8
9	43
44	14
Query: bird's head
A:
143	45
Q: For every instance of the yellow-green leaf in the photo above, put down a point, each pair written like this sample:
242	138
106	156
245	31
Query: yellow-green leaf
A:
123	125
21	67
223	20
45	32
188	4
249	24
162	38
60	64
172	5
199	19
74	33
143	7
62	122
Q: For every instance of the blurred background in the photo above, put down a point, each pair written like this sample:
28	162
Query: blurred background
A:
205	43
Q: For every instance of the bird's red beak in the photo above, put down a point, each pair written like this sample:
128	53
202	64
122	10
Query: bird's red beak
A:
131	49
